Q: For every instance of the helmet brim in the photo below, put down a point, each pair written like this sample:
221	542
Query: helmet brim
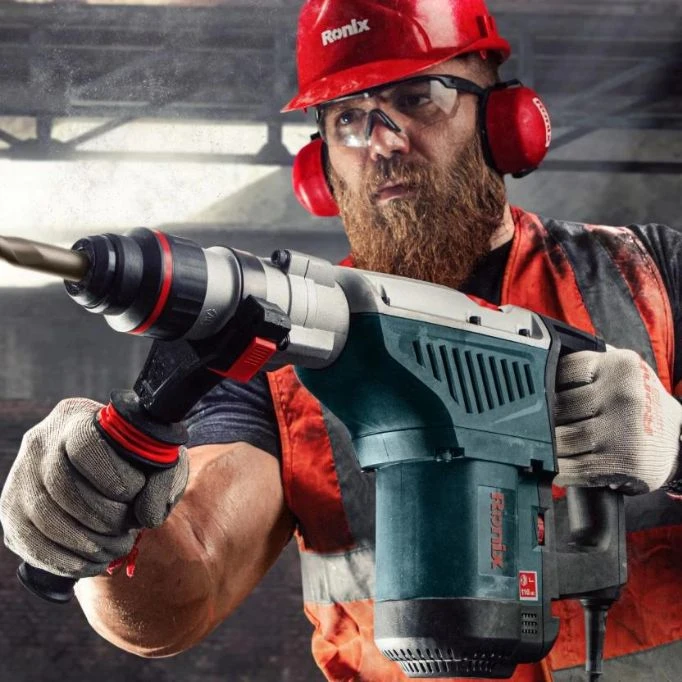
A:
359	78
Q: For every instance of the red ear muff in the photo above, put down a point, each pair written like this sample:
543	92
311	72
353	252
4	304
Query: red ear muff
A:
517	130
310	181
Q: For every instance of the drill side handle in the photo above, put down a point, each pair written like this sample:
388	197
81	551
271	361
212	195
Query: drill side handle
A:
144	426
137	437
55	589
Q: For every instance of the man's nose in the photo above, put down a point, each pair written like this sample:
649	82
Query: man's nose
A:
384	136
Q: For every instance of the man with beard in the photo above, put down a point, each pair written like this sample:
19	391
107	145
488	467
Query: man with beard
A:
397	87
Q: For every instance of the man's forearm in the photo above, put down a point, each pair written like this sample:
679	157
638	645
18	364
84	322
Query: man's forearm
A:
166	607
193	571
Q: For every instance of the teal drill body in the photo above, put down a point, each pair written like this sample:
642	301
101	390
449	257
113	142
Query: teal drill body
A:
457	428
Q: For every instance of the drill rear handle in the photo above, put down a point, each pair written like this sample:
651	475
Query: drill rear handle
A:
595	516
589	539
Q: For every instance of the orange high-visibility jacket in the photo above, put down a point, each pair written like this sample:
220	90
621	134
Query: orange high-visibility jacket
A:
599	279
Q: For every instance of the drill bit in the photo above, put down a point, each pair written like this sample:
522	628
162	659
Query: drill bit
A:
52	260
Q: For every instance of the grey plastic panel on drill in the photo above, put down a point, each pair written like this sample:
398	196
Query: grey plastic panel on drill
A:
372	292
305	288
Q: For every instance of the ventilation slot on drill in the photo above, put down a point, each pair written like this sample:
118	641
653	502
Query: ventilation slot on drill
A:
477	381
529	623
430	662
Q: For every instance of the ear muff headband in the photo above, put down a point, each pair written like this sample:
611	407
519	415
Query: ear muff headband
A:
515	132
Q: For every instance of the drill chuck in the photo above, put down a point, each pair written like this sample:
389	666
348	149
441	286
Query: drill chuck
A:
151	284
148	283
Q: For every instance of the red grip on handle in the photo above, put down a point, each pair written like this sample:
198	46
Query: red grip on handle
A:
133	440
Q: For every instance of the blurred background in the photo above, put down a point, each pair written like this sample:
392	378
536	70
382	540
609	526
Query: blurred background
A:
165	114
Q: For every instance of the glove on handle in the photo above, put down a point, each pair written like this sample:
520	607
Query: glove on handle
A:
138	438
596	524
592	517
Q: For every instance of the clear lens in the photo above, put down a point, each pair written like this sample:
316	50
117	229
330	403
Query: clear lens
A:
410	104
344	122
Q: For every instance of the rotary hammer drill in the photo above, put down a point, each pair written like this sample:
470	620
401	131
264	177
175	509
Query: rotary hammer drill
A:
451	409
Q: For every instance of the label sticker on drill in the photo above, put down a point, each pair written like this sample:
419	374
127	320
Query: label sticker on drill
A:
528	585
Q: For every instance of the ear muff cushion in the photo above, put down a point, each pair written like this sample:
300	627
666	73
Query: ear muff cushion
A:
310	181
518	129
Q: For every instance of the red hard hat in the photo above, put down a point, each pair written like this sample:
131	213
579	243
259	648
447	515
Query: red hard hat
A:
347	46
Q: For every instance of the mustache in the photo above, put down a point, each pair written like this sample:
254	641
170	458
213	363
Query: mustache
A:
394	170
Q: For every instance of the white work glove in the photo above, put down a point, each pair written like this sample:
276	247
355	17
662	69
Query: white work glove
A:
616	425
71	505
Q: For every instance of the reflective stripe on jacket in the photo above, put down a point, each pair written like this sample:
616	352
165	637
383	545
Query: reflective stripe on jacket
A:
599	279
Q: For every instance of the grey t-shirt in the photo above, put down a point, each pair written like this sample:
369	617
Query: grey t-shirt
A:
234	412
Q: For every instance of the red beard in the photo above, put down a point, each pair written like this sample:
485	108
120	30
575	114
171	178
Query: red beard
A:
439	233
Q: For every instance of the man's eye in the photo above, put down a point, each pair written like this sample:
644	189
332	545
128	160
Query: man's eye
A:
349	117
413	101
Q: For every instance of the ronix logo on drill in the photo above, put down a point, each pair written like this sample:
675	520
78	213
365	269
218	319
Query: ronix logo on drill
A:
356	26
497	546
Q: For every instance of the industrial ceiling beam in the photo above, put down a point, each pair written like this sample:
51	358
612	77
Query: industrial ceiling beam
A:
235	64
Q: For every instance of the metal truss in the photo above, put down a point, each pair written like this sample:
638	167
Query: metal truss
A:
120	64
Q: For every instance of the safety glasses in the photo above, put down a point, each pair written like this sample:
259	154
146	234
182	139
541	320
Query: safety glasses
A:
403	106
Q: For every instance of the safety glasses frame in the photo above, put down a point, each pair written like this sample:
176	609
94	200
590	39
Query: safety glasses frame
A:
447	80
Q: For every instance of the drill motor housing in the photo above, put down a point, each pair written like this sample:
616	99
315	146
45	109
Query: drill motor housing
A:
455	420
